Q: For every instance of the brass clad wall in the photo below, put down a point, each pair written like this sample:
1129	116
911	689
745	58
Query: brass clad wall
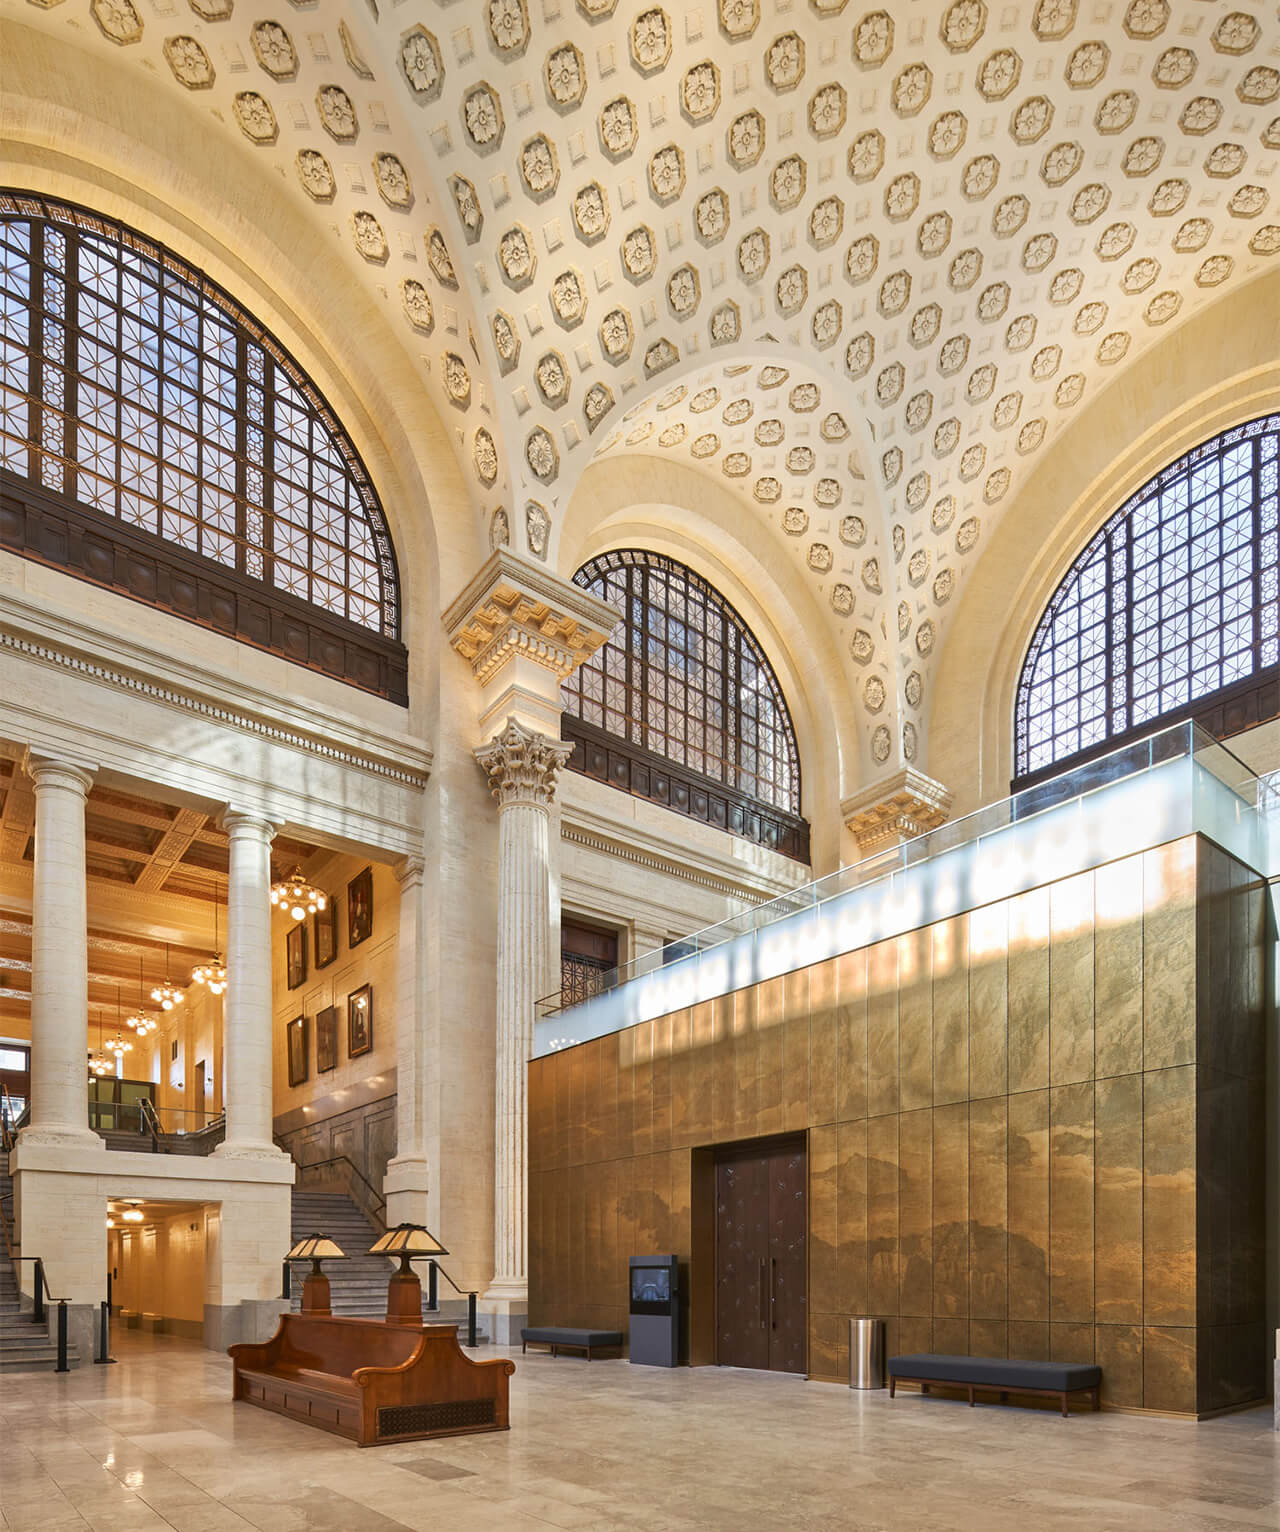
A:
1033	1130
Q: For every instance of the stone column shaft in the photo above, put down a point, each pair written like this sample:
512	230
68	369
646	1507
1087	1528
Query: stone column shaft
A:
522	768
59	956
407	1182
247	1001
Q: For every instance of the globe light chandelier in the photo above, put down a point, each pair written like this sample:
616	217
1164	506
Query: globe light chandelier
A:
213	974
298	897
99	1063
168	994
138	1021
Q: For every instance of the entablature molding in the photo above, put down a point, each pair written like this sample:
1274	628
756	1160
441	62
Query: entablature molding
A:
894	809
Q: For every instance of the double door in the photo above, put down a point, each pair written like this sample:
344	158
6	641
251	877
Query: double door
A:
761	1266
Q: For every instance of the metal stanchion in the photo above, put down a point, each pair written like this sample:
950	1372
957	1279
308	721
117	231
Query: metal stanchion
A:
37	1312
433	1286
104	1333
471	1319
62	1337
286	1281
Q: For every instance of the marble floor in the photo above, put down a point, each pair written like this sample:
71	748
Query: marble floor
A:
155	1443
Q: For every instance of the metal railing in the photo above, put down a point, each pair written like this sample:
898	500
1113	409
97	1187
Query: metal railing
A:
43	1295
8	1120
435	1270
369	1199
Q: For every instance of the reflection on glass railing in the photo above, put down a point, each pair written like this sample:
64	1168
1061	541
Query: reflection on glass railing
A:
1182	741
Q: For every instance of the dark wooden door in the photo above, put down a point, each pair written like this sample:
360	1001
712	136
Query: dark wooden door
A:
761	1276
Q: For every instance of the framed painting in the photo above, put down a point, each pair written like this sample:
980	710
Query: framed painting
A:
324	934
295	947
360	907
360	1021
327	1039
296	1038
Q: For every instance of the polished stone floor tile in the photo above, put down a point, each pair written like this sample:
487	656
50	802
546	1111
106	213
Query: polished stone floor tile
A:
603	1446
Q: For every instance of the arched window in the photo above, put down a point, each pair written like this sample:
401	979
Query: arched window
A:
154	438
681	706
1171	612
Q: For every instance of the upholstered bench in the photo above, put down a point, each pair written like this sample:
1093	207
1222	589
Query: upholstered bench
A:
996	1375
560	1338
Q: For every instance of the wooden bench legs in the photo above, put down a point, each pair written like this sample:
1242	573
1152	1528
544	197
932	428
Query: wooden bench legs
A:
973	1389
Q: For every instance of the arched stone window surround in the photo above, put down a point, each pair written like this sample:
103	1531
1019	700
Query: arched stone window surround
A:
157	440
682	707
1171	611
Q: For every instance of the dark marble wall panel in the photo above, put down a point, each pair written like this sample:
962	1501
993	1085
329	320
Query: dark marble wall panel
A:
1169	1368
1169	1197
1071	980
851	1035
951	1211
824	1223
1029	1206
771	1022
660	1075
1028	1043
1169	955
988	1160
915	1211
915	1019
795	1053
950	943
1118	967
642	1089
681	1080
989	1000
1118	1351
882	1214
823	1006
1117	1199
1071	1177
852	1242
745	1045
882	1028
701	1075
724	1105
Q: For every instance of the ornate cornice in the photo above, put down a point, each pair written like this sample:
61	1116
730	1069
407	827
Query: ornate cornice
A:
894	809
522	766
513	610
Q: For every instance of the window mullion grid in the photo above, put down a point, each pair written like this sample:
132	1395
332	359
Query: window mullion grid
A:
71	368
35	354
1255	475
242	454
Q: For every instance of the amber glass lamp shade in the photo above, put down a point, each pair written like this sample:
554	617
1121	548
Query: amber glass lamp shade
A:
404	1290
315	1290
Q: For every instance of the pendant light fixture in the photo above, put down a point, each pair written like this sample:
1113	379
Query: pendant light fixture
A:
138	1020
213	975
298	897
168	994
99	1063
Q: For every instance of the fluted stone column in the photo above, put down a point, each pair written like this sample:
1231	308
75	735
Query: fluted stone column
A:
407	1184
522	767
247	1002
59	957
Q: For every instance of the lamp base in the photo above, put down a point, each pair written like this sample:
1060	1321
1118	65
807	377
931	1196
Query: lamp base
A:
404	1299
315	1294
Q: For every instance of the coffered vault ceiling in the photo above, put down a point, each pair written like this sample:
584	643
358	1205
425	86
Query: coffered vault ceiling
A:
885	253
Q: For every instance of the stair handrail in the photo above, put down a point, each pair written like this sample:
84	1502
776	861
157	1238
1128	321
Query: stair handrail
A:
342	1159
149	1118
7	1235
7	1118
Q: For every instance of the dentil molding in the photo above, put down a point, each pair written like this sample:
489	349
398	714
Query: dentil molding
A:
895	809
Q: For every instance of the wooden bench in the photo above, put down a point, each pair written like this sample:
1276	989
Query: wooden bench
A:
997	1375
371	1381
561	1338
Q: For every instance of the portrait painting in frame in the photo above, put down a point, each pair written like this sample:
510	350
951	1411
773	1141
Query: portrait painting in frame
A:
360	907
327	1039
296	1037
295	946
360	1021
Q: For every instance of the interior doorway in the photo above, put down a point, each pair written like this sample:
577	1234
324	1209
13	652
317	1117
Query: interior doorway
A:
762	1255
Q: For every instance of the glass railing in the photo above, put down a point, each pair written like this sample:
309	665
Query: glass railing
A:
1140	794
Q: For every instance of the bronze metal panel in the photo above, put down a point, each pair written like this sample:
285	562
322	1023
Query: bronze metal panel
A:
626	1090
593	1232
642	1087
1169	954
988	1337
822	1041
882	1214
795	1072
1213	943
1169	1197
651	1200
824	1345
851	1035
591	1107
1029	1340
950	1337
702	1073
557	1121
851	1207
915	1019
608	1086
950	1010
746	1062
1029	1206
577	1062
661	1083
614	1282
988	1210
1071	1176
536	1086
576	1274
1117	1200
628	1220
1118	1351
723	1085
679	1203
1071	980
915	1211
951	1211
989	1000
824	1224
1169	1369
1071	1343
771	998
1029	990
1117	976
702	1257
882	1028
537	1255
681	1079
915	1333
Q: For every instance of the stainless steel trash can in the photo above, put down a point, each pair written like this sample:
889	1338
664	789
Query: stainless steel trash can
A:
866	1353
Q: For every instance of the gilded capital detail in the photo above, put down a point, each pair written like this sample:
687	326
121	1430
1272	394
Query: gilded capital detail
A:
522	766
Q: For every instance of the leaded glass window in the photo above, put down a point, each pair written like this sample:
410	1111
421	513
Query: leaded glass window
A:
131	383
1175	600
683	678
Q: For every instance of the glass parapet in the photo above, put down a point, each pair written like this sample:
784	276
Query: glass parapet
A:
1173	783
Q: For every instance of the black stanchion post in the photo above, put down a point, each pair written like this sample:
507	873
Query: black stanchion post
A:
286	1281
471	1319
37	1313
62	1337
104	1333
433	1286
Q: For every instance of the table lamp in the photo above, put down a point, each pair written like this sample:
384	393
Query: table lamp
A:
404	1290
315	1290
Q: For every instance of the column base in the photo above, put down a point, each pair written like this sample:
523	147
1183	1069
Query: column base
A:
249	1149
252	1319
406	1188
61	1136
504	1318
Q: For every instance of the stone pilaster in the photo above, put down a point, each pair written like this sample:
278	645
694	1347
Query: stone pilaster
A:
407	1183
522	767
59	957
247	1002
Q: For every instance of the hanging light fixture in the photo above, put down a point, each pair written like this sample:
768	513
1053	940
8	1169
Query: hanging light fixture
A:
99	1064
295	895
138	1020
119	1046
168	994
213	975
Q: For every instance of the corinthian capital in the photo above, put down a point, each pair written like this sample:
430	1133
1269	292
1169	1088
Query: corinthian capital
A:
522	766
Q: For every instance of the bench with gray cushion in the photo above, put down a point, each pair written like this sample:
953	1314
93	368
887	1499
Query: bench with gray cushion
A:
996	1375
562	1338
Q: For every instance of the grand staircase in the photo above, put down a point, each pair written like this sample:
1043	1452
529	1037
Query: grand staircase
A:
24	1347
357	1285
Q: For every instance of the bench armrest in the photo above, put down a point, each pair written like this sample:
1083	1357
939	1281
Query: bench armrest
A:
256	1353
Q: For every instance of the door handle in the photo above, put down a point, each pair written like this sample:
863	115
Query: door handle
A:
764	1324
773	1293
